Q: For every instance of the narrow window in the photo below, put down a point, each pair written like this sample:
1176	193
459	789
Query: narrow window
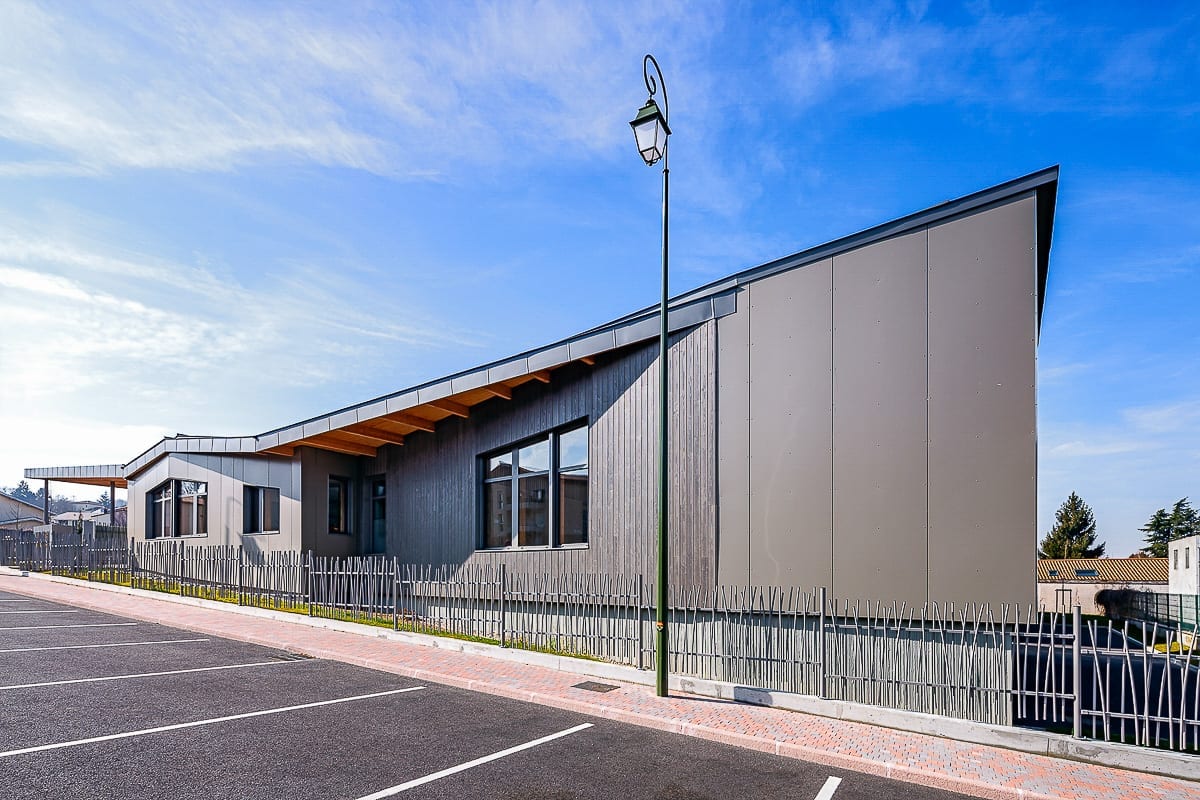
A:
378	516
338	492
1176	554
1187	557
160	511
573	486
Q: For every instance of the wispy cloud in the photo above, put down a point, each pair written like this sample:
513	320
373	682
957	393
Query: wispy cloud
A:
409	91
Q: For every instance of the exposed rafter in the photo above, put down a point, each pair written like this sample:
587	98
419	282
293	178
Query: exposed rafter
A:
499	390
411	420
454	407
542	375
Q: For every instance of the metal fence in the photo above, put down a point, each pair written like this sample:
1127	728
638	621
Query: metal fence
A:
1165	608
1135	682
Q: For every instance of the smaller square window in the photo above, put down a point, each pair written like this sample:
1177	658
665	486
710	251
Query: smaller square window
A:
260	509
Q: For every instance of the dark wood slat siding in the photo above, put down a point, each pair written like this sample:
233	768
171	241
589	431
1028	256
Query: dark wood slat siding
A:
432	480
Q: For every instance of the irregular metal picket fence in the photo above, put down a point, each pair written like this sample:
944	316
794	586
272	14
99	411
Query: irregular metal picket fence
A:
1136	681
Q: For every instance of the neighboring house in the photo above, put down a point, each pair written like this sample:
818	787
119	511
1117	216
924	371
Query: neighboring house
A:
18	515
96	515
1183	555
859	416
1065	582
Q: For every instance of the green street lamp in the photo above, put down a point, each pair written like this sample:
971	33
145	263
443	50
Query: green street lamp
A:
651	129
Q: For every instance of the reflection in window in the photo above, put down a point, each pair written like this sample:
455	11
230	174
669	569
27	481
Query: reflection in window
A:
177	508
536	494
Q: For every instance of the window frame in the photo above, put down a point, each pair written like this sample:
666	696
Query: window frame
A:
160	510
260	506
553	475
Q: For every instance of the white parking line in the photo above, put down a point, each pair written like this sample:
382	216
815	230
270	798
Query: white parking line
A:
90	646
404	787
72	611
6	600
84	625
145	675
831	785
197	723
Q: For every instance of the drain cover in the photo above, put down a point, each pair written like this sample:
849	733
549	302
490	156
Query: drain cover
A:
592	686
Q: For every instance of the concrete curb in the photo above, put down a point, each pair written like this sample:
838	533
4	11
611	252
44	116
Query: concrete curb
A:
1125	757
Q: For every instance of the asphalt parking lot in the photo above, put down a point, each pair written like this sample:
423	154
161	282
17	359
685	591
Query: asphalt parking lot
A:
97	706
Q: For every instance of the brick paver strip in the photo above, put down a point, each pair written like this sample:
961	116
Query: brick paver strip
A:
972	769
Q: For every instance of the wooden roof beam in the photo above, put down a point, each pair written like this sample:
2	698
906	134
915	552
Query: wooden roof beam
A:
324	442
411	420
355	437
542	375
452	406
499	390
376	432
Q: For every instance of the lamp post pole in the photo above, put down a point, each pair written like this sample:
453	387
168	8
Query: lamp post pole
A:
651	129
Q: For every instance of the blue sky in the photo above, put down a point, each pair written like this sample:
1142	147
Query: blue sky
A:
220	221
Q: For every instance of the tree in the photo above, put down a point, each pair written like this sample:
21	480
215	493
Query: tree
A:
1158	534
1163	527
104	502
23	492
1073	534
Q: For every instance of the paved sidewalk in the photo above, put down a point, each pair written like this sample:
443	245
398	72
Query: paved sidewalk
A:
927	760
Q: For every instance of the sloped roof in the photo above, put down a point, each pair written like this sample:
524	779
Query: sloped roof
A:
362	428
1102	570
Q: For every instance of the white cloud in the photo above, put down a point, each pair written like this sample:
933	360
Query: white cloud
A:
415	91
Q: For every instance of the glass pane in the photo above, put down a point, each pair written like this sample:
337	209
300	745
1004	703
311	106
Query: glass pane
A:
168	515
500	466
534	457
573	507
497	514
378	525
250	509
202	511
270	510
378	489
336	506
533	513
186	508
192	488
573	448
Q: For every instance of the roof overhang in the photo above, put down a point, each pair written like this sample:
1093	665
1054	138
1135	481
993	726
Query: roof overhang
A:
97	475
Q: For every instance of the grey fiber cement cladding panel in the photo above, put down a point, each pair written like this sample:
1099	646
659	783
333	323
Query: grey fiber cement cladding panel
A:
733	446
982	413
791	433
879	422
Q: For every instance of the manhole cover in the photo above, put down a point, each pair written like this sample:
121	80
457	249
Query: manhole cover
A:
592	686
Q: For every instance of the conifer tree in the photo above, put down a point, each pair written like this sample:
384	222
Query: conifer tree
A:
1073	534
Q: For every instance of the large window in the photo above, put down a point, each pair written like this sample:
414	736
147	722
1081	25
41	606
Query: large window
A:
260	509
535	494
177	508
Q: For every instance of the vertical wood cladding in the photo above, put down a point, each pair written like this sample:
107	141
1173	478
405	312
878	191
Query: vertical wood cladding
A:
433	480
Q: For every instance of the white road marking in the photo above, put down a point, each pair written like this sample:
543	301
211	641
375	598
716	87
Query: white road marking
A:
831	785
6	600
90	646
197	723
145	675
86	625
404	787
40	612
